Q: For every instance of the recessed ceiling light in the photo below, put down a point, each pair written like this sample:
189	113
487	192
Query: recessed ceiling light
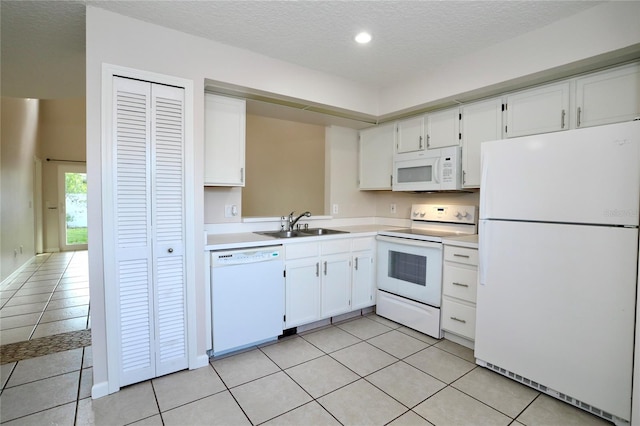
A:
363	37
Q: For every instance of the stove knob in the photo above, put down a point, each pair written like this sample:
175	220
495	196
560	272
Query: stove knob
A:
422	214
415	214
464	213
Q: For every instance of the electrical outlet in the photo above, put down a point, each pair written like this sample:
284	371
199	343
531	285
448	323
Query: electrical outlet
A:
230	210
393	208
335	209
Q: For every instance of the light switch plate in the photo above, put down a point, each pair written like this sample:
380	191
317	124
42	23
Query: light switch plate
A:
335	209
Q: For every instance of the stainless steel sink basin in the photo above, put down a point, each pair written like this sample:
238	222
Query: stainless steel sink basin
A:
321	231
301	233
282	234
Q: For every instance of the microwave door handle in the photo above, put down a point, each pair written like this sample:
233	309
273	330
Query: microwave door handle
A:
436	173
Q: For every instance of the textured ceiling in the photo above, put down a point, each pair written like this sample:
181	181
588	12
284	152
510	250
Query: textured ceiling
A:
43	41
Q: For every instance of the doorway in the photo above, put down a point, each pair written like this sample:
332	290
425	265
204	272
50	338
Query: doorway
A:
72	196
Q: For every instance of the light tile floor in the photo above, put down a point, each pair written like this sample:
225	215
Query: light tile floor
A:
49	296
364	371
327	376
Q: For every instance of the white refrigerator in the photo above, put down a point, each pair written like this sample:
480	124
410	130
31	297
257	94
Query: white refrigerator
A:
558	247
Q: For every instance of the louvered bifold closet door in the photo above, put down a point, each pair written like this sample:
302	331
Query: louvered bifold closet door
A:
133	229
169	228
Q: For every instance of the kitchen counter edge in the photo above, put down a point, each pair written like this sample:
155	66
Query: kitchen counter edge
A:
468	241
250	239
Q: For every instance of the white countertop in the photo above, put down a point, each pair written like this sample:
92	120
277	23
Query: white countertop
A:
469	241
251	239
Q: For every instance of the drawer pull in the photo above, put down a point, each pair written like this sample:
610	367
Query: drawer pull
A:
466	256
459	320
460	284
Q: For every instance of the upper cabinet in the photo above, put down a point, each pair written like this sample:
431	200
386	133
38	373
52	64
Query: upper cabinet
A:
376	156
609	96
224	153
410	135
481	122
443	128
540	110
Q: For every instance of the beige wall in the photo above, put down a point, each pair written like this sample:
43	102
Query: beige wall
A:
61	136
18	149
284	167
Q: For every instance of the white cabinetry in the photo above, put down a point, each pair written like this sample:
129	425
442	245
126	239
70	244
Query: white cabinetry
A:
410	135
434	130
540	110
336	277
609	96
443	128
146	221
363	284
327	278
481	121
224	152
459	284
302	283
376	156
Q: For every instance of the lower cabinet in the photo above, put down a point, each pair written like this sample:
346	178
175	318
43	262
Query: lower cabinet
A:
327	278
363	283
302	291
459	284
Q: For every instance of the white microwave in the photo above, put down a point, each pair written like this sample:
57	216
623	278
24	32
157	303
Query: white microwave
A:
431	170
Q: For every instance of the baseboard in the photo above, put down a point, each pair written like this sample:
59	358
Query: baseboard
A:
52	250
201	361
99	390
16	272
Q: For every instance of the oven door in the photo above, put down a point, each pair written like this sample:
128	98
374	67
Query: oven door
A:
410	268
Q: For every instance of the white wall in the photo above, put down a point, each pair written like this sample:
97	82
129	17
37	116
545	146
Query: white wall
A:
341	175
598	32
18	149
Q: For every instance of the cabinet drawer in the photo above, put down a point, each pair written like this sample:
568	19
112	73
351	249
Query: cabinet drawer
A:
459	319
299	251
460	282
461	255
362	244
336	246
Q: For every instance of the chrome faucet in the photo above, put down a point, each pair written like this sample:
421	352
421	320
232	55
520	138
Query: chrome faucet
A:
293	221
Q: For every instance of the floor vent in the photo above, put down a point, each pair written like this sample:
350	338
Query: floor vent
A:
559	395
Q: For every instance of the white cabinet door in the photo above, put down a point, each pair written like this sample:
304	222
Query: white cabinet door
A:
363	285
608	97
302	291
443	128
225	129
148	227
481	122
376	156
336	284
410	135
540	110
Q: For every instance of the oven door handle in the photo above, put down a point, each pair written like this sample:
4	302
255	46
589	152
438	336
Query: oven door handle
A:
409	242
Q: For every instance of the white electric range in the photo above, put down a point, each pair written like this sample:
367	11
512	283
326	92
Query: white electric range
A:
410	264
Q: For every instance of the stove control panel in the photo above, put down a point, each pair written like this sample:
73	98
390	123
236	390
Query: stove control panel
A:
444	213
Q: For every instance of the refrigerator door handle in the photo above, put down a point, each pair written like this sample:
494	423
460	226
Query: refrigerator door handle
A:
482	252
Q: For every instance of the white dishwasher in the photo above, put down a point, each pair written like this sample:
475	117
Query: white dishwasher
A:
247	297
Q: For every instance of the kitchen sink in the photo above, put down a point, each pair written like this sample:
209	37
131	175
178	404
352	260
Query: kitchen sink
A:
283	234
301	233
321	231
